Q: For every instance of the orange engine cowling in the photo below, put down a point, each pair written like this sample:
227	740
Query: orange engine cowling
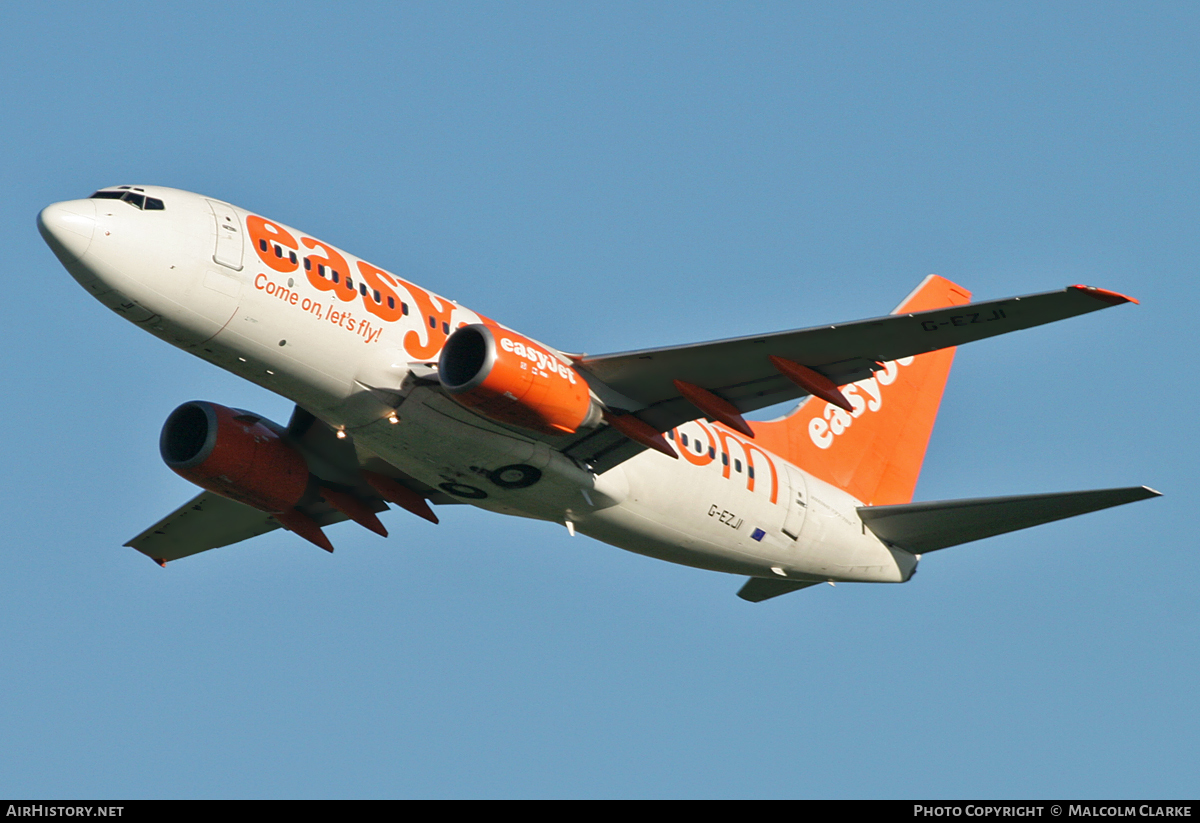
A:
234	454
514	380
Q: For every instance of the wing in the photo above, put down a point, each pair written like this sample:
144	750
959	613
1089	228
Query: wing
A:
209	521
740	372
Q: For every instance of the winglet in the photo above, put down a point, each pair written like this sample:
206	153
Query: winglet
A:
1111	297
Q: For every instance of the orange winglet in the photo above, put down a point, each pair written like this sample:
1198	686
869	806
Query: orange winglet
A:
716	408
815	383
639	431
401	495
1115	298
354	508
297	521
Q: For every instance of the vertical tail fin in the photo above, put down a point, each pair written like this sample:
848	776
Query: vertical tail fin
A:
875	451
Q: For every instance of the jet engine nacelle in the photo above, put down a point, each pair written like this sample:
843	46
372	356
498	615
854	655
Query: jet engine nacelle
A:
234	454
514	380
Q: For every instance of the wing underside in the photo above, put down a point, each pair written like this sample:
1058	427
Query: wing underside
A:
207	521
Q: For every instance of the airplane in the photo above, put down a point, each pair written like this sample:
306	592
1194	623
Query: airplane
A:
403	397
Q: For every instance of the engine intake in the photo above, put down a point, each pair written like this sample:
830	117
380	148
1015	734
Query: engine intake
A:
234	454
512	379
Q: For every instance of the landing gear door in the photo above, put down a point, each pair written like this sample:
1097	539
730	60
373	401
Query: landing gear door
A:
797	506
229	244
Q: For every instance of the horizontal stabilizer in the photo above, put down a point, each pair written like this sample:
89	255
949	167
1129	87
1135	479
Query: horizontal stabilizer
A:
758	589
925	527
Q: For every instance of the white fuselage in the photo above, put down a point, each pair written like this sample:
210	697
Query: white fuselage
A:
194	275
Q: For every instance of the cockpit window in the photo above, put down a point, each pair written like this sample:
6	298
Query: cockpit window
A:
140	201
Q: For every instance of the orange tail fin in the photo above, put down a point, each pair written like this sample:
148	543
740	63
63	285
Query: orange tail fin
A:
875	451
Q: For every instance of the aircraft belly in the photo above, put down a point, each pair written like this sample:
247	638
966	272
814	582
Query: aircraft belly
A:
257	356
464	457
694	515
640	530
290	352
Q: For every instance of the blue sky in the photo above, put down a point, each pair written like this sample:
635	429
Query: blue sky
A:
606	177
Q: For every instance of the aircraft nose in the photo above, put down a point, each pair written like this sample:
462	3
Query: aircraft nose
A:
68	227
